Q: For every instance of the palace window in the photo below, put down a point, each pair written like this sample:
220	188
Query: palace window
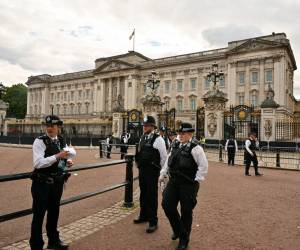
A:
180	104
193	103
87	94
129	84
72	95
241	78
179	86
207	83
167	86
65	96
52	97
222	82
241	99
254	77
79	109
193	84
58	96
269	76
79	94
254	99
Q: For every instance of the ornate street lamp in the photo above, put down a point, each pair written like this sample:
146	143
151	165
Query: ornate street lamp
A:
153	82
215	76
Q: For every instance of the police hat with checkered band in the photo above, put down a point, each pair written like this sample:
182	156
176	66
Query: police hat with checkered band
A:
52	120
149	120
186	127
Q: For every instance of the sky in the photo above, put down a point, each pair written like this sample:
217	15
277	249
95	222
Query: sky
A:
60	36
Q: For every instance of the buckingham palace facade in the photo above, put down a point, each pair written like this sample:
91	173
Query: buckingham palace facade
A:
86	100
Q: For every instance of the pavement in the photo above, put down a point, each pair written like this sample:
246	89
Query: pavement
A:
233	211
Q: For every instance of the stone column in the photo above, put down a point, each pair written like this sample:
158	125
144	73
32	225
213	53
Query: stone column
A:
28	102
215	102
268	117
268	124
117	125
131	92
109	108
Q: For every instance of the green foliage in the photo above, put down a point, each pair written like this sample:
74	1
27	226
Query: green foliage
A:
16	96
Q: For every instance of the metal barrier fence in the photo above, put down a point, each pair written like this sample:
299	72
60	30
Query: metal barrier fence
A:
279	157
128	183
103	148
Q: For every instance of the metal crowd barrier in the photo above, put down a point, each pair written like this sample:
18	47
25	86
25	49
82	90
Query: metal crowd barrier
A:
279	157
128	183
103	148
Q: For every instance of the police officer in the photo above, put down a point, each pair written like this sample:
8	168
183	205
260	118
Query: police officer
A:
172	138
50	157
162	133
109	141
124	141
187	166
150	158
231	148
250	146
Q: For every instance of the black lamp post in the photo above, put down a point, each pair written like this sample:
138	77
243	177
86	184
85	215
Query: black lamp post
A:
215	76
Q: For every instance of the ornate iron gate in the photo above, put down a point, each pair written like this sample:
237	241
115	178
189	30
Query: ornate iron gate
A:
132	123
239	121
167	119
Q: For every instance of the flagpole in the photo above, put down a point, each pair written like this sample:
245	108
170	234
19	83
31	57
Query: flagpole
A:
133	40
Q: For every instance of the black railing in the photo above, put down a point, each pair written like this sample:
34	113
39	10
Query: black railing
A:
128	183
103	148
284	158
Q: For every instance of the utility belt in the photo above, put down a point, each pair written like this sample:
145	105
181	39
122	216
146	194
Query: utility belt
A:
230	146
59	177
177	175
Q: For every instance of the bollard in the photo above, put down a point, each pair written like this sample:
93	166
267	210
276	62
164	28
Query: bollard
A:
220	153
128	200
278	159
100	149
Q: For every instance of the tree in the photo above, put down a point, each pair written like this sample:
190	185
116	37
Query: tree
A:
2	90
16	96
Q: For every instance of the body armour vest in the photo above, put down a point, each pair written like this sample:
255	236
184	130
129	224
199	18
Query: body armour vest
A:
181	161
148	155
231	143
52	148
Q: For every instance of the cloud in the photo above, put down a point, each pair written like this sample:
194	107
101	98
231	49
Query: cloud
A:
55	37
220	36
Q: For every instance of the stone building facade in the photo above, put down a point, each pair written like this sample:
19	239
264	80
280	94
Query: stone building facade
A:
86	100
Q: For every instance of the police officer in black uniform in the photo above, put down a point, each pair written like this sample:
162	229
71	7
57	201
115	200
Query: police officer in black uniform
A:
124	144
50	157
251	145
162	133
187	165
231	148
109	141
150	158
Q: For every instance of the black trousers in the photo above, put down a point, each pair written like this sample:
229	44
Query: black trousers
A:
45	197
231	155
186	194
108	151
123	151
148	182
249	159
